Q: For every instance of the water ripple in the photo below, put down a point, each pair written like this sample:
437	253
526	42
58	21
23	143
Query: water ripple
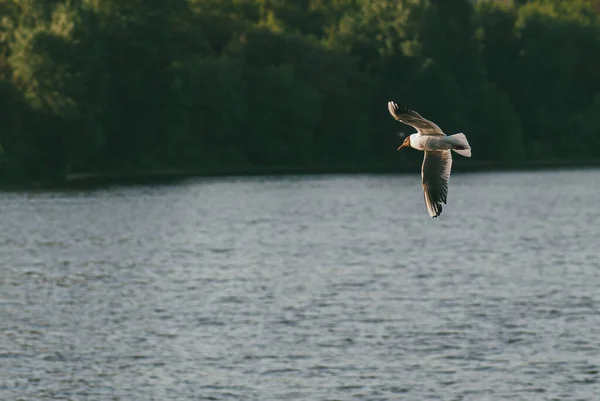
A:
302	288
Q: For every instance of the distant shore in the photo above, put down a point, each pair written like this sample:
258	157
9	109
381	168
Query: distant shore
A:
169	175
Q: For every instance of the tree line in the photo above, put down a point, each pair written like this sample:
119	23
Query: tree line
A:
139	85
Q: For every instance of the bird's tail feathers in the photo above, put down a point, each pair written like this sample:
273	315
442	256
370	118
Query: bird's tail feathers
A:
460	144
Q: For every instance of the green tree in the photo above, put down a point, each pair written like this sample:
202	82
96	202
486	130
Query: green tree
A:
101	85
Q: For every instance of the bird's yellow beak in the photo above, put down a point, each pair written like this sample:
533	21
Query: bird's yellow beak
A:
401	146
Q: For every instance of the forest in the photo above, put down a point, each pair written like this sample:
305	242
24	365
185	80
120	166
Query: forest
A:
113	86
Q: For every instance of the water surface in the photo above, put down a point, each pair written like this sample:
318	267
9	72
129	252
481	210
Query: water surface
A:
303	288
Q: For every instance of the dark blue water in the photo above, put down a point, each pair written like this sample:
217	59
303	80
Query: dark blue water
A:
303	288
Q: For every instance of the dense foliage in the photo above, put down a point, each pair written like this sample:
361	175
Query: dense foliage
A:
112	85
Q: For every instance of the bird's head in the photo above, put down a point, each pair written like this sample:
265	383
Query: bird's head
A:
405	143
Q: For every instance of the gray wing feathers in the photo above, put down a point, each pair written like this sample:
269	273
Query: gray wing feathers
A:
414	119
435	173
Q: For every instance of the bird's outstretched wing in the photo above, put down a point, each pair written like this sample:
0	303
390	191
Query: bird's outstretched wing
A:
414	119
435	173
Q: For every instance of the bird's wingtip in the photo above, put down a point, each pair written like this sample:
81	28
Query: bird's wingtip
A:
393	108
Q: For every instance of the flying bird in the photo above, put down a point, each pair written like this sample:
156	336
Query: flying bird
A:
437	163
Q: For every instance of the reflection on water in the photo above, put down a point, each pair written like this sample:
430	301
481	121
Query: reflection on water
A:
304	288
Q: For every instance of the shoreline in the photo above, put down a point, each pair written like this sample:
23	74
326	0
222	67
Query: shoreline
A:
99	179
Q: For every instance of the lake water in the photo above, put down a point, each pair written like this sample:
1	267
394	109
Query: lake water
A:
303	288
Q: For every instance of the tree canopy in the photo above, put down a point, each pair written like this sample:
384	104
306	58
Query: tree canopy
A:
111	85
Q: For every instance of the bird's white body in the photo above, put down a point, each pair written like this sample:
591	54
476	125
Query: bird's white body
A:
440	142
429	142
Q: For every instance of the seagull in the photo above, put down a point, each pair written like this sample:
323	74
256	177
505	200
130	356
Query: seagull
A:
437	163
